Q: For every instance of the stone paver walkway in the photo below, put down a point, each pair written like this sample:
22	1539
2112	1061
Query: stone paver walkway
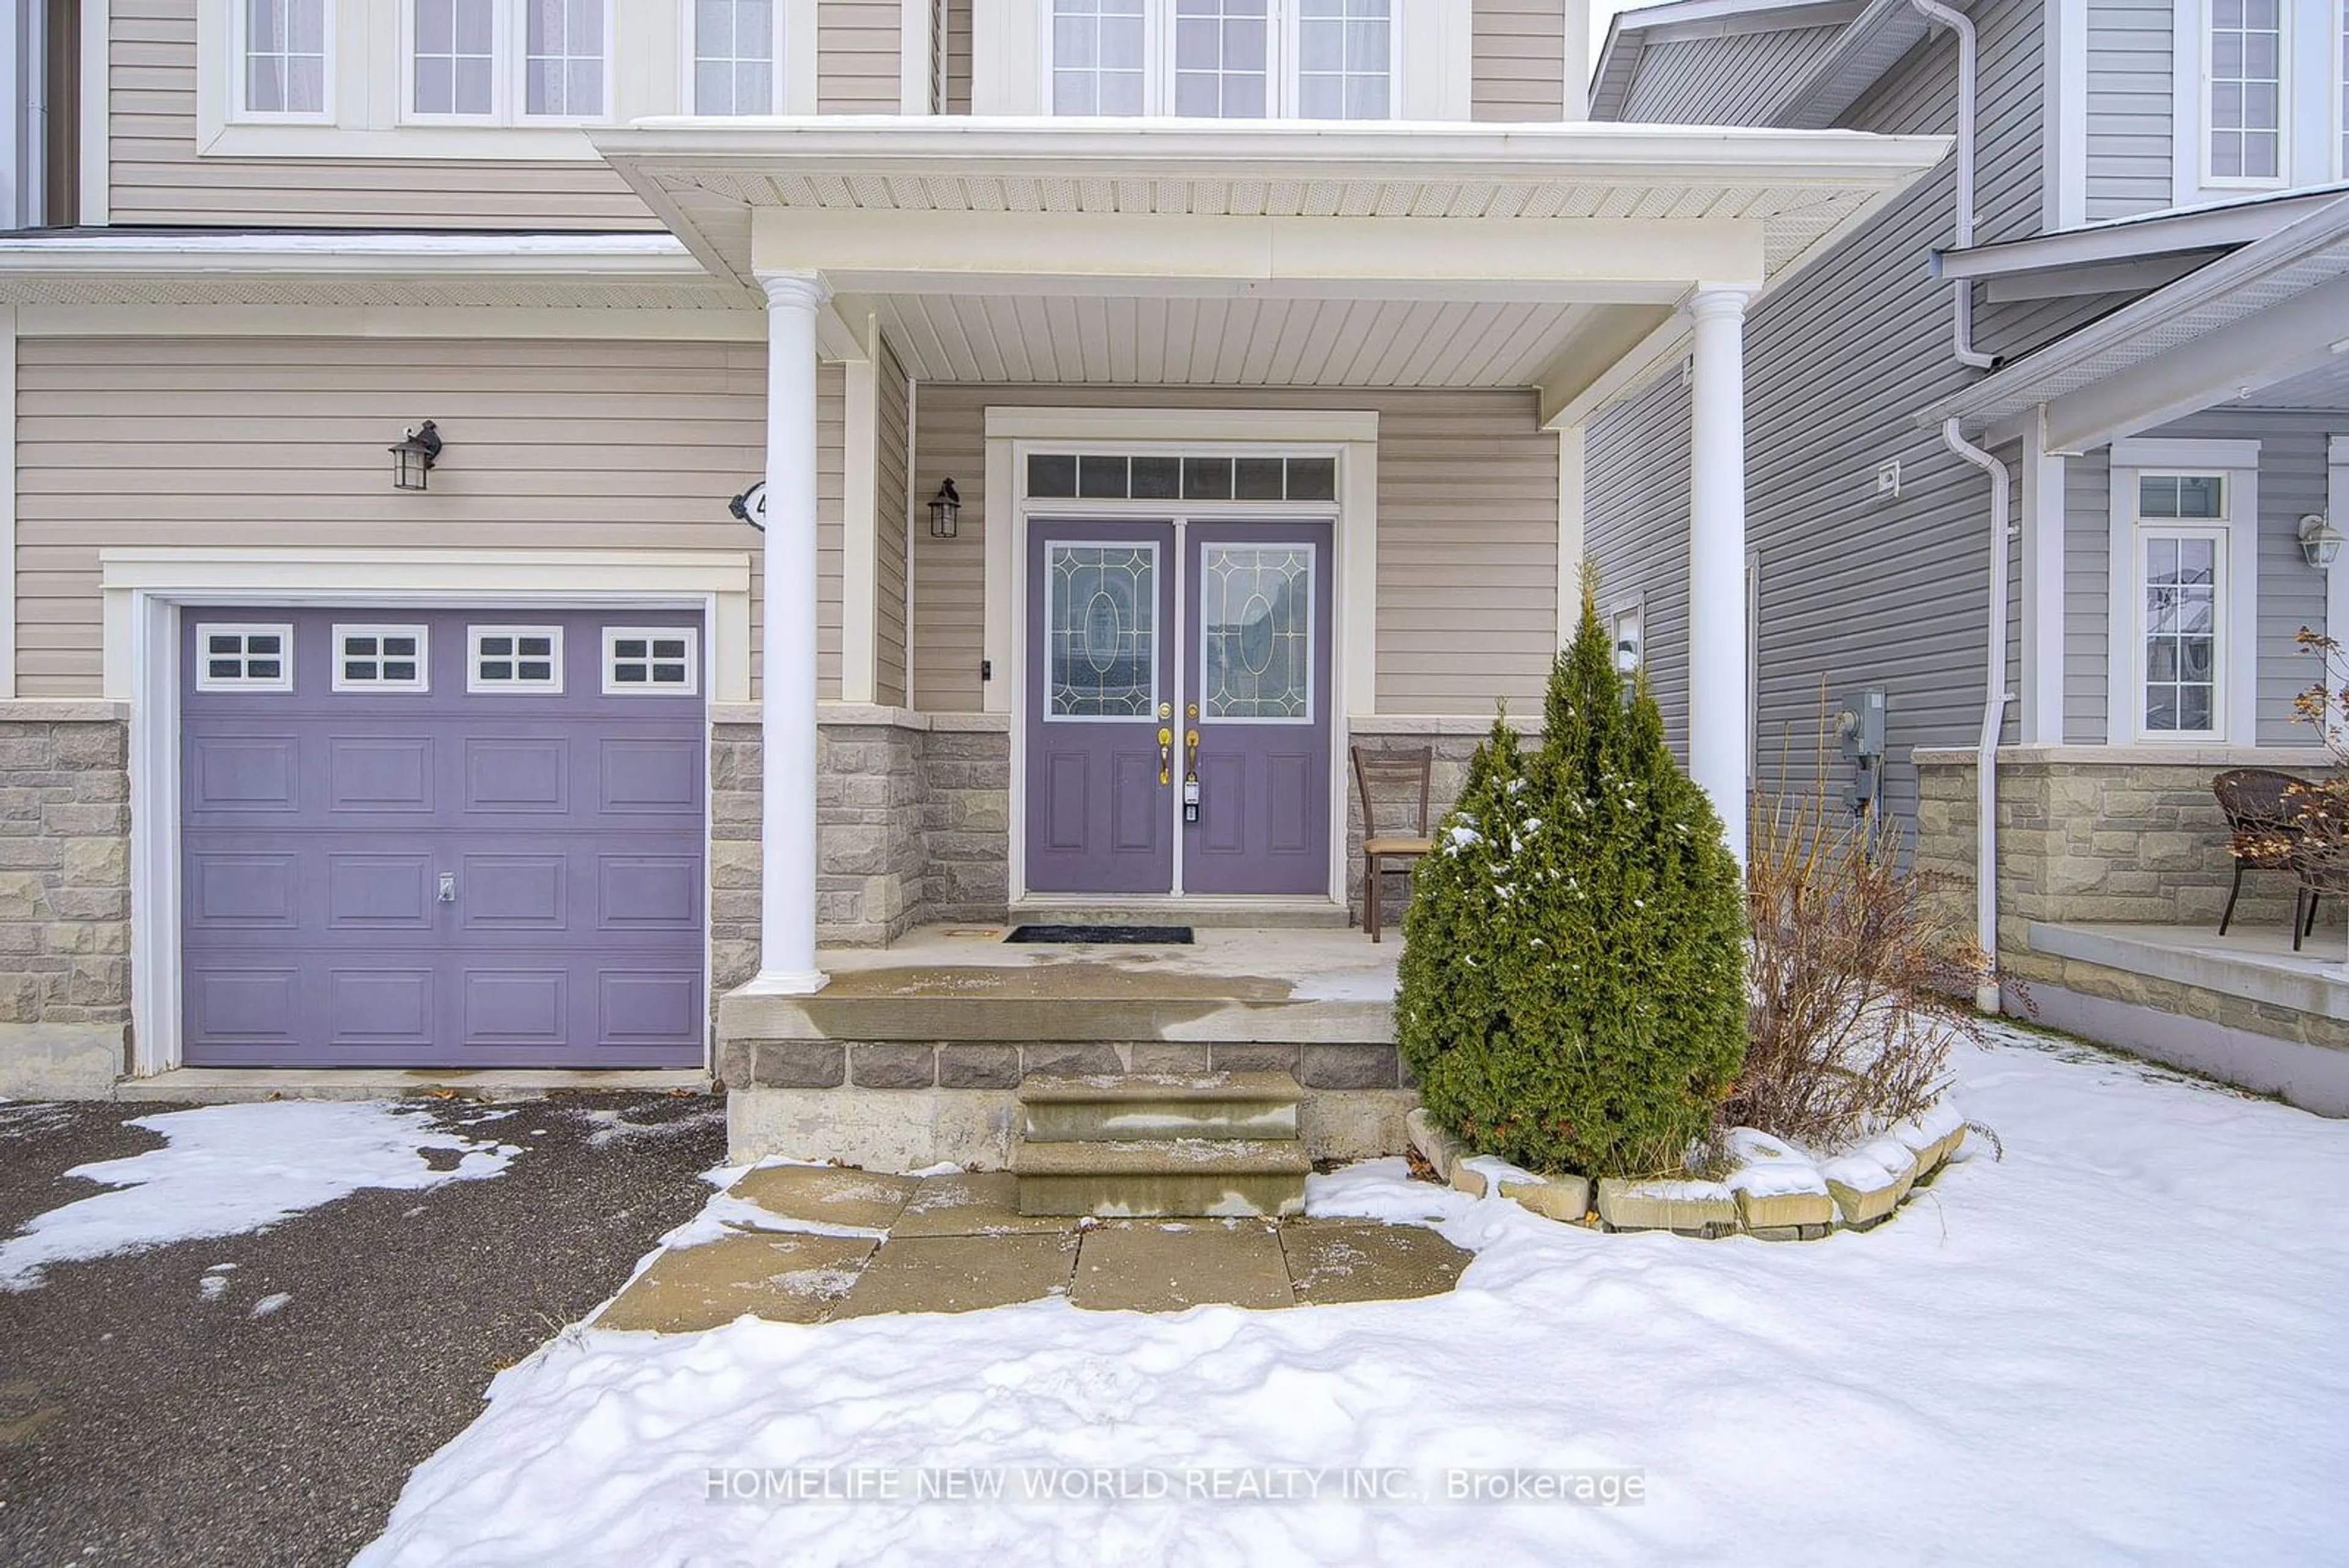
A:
872	1244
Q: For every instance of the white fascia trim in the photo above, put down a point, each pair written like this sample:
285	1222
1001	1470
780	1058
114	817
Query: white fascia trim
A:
720	578
1161	426
614	255
2138	238
575	323
97	112
1032	146
2189	452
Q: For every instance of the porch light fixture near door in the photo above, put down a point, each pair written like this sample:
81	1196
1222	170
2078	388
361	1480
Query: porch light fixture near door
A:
946	511
2320	541
413	456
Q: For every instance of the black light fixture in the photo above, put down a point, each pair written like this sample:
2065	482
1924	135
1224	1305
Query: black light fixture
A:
946	511
750	506
413	456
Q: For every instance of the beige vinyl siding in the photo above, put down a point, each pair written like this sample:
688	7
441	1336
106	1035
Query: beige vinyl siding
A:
858	45
156	177
1516	60
213	442
1467	537
957	31
893	461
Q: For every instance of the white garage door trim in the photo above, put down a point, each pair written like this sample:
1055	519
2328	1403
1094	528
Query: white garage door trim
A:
144	591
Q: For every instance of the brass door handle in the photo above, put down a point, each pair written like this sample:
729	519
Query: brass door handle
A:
1191	759
1165	756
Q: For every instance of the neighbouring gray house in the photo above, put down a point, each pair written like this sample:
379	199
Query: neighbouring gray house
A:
2052	455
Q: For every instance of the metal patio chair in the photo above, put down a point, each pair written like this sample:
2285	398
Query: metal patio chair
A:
1399	781
2261	809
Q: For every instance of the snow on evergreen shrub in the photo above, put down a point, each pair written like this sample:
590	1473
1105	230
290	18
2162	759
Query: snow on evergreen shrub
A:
1573	976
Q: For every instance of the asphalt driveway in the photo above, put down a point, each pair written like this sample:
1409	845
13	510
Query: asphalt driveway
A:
140	1426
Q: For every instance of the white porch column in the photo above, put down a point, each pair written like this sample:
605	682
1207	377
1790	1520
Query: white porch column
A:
787	736
1718	719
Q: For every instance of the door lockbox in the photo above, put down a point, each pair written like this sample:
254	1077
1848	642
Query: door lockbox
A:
1190	800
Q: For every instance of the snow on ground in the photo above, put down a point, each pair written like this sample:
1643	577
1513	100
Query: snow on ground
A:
227	1169
2121	1344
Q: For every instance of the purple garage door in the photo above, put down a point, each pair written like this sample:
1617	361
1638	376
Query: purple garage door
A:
436	839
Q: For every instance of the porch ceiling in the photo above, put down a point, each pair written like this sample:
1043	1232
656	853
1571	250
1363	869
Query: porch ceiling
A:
1185	252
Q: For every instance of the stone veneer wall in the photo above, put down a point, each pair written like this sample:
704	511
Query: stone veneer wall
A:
65	897
2114	841
912	821
1453	740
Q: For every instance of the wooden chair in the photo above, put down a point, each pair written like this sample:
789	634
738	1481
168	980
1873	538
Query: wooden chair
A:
2262	814
1400	781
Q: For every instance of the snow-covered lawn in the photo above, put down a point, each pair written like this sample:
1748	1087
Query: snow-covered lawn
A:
2126	1342
227	1169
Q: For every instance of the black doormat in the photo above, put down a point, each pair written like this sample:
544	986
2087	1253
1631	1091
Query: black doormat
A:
1130	936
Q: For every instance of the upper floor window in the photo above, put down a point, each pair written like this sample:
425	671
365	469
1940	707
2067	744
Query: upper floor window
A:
284	58
733	56
1224	59
509	60
2341	94
2245	93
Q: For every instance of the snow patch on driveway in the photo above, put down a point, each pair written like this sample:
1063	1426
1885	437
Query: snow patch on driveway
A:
229	1169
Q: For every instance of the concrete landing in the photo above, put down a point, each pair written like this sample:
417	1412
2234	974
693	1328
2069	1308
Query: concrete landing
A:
957	1243
240	1085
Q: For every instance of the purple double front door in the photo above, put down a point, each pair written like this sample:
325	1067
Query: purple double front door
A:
442	839
1178	729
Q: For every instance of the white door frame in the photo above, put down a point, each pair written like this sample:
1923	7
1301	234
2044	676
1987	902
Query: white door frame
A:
1350	437
144	590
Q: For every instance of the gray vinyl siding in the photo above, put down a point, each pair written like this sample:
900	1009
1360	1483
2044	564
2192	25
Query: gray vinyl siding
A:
2293	484
2087	605
893	462
1516	60
1855	592
1635	506
1466	600
1734	80
858	47
2129	100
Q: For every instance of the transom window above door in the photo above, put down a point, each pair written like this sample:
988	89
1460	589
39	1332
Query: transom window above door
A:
1224	59
1117	476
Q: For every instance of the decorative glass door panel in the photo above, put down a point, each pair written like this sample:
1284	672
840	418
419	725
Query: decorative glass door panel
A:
1100	782
1256	598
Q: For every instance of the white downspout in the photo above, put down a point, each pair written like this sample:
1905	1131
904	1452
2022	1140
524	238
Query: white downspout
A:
1994	700
1961	292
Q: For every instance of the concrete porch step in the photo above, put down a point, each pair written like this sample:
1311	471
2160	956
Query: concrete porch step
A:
1129	1107
1162	1176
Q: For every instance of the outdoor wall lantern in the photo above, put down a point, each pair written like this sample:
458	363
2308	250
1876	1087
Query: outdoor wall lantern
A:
2320	541
750	506
946	511
413	456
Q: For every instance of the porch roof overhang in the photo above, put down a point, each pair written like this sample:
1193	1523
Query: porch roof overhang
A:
389	269
2275	310
1165	253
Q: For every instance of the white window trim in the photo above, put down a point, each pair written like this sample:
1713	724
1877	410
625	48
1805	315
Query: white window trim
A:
1635	605
2238	676
239	78
417	630
207	682
1011	58
787	51
2310	151
1283	55
476	686
692	687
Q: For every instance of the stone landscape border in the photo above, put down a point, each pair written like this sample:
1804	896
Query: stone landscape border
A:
1862	1189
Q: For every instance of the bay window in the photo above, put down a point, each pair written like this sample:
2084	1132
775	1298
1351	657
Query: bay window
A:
1223	59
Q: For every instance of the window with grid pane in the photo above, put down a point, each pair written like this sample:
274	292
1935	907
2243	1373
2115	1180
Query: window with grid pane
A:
563	58
454	64
1223	65
2181	556
2246	103
733	57
514	659
1344	59
1099	57
284	56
